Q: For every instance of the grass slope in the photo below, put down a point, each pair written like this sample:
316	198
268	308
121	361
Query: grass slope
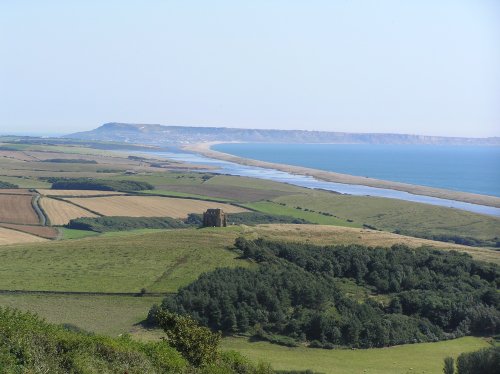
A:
160	262
274	208
109	315
392	214
412	358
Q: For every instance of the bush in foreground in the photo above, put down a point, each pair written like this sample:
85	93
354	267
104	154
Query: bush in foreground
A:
30	345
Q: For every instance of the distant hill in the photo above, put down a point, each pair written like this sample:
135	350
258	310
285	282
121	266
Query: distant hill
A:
162	135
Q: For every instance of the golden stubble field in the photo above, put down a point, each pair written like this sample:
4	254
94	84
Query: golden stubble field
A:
150	206
8	236
61	212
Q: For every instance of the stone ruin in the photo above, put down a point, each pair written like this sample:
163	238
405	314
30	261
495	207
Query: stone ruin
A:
214	218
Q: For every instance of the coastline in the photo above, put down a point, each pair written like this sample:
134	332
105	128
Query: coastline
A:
329	176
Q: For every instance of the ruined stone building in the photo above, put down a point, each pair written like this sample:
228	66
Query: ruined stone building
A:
214	218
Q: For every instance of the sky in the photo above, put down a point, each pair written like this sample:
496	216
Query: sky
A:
419	67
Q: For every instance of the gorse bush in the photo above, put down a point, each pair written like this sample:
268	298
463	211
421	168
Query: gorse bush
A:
429	295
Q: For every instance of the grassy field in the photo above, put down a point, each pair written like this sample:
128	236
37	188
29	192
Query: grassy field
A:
68	234
392	214
414	358
332	235
160	262
221	187
313	217
24	182
110	315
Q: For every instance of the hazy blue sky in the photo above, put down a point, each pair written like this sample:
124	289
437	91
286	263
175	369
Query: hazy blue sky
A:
424	67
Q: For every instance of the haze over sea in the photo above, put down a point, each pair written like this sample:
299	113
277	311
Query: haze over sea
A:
460	168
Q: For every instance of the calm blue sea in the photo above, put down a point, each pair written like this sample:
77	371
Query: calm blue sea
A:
461	168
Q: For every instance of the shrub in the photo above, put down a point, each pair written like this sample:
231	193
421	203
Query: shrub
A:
196	343
98	184
484	361
106	224
4	185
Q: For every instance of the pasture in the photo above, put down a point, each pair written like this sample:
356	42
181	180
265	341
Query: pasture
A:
61	212
391	214
329	235
403	359
223	187
161	261
314	217
17	209
103	314
149	206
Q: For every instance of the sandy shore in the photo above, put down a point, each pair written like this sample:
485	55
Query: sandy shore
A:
204	149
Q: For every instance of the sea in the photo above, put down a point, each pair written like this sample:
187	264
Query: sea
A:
473	169
231	168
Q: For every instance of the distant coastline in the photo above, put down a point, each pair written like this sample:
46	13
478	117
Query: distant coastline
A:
206	150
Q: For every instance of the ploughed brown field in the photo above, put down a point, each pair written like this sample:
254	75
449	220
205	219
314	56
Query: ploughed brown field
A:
150	206
17	209
61	212
42	231
8	236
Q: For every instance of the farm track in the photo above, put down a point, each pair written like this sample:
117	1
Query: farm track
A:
39	211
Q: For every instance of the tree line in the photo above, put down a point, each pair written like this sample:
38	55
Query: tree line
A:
294	295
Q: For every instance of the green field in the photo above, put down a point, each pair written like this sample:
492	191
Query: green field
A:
392	214
219	187
25	182
182	194
161	261
274	208
75	234
109	315
412	358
